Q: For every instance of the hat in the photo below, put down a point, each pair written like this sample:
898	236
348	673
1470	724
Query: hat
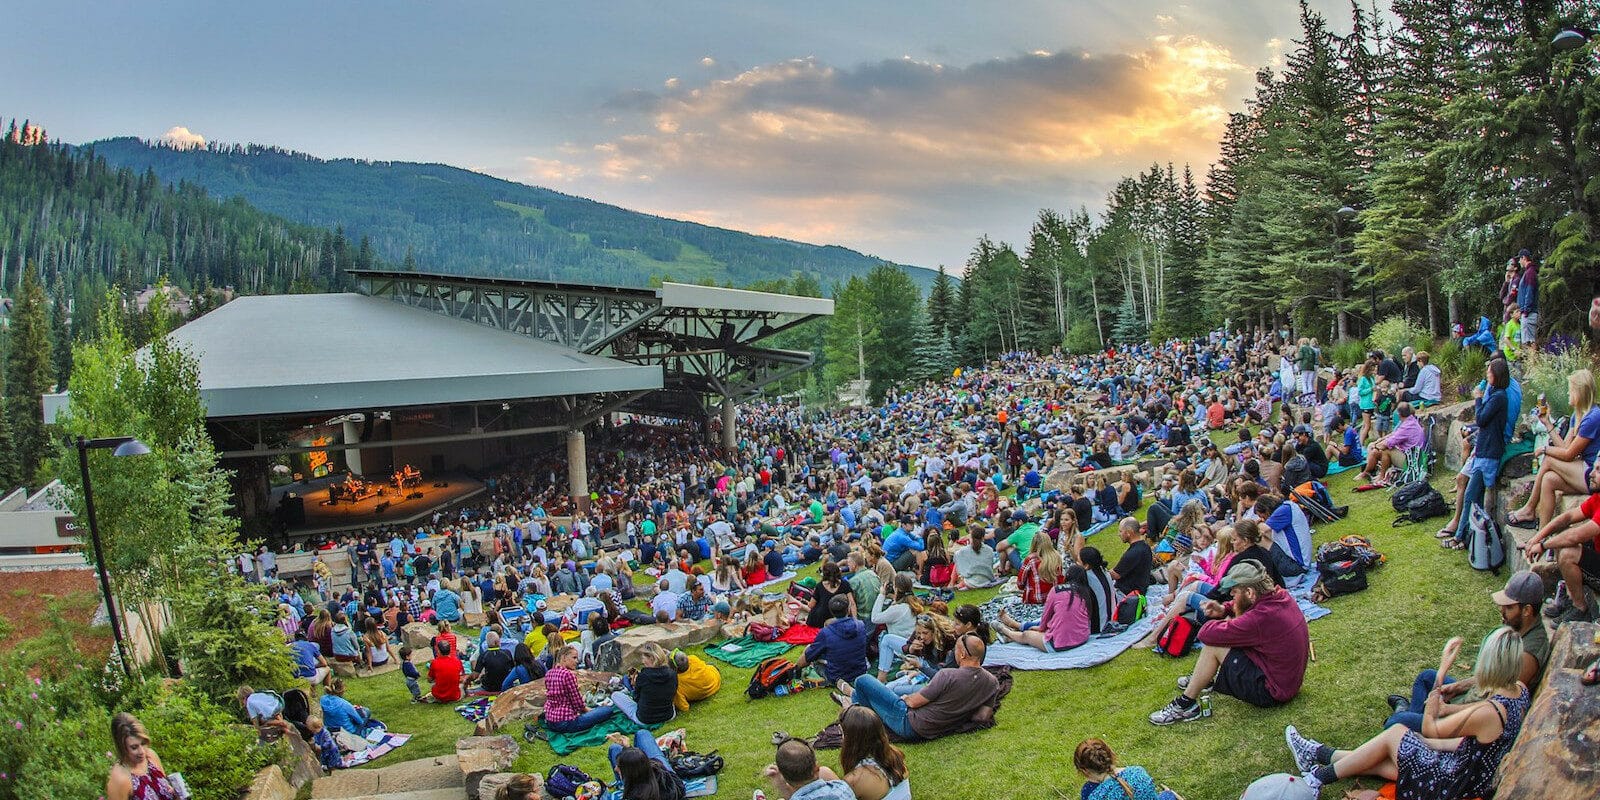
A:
1524	253
1279	786
769	544
540	605
1246	573
1019	516
1522	588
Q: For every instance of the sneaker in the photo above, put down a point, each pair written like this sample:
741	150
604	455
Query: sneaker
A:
1312	782
1304	750
1174	713
1560	604
1398	703
1574	614
1183	683
840	699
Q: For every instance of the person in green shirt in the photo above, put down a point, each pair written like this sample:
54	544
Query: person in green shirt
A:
864	584
816	511
1014	548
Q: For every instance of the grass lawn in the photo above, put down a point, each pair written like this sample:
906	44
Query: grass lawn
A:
1372	645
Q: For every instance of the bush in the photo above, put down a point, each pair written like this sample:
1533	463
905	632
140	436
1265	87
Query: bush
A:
1547	373
199	738
1393	334
53	737
1348	353
1081	338
1469	369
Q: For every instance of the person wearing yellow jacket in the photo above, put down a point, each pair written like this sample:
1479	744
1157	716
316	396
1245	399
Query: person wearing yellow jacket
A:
697	680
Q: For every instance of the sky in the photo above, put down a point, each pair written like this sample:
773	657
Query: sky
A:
905	130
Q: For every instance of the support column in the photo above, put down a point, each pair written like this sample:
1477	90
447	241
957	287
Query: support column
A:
578	471
729	437
352	435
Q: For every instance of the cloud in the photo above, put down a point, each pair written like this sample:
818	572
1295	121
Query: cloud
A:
904	147
182	138
708	61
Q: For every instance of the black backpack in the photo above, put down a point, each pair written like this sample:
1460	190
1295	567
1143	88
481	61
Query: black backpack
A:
1404	495
1425	505
1342	577
563	780
690	764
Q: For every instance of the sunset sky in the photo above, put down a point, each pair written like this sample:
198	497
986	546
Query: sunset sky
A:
901	129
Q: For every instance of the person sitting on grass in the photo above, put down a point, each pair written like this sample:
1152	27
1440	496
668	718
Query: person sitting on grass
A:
1572	536
1255	647
840	646
525	668
1459	749
1519	605
1104	781
874	768
640	771
445	672
1568	460
1390	451
564	708
654	689
697	680
951	700
974	560
1065	623
492	665
521	787
797	775
1041	569
1132	572
341	714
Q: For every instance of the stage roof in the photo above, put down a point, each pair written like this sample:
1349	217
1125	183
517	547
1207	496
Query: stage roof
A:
276	355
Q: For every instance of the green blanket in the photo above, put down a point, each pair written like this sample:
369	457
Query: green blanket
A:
564	743
747	652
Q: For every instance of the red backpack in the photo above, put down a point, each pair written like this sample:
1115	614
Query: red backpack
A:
940	574
1179	637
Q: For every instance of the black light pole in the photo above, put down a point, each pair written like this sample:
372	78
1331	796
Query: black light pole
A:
1568	40
119	446
1344	214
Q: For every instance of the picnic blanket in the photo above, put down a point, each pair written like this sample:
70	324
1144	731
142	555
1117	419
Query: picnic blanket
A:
1096	651
746	652
380	743
1098	527
564	743
1300	588
799	633
475	710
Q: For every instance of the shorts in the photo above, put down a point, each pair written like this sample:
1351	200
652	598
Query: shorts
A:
1489	468
1240	677
1589	560
1530	328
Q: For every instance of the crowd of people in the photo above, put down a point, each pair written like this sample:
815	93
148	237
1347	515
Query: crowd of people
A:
995	475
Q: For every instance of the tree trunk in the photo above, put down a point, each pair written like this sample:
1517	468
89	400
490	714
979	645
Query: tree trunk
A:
1094	294
1433	313
1452	308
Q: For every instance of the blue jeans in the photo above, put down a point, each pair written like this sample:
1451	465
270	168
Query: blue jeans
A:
643	740
890	707
890	650
1015	557
1412	716
585	721
1481	474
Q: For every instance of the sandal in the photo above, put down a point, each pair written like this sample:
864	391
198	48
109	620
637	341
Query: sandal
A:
1445	533
1451	544
1517	519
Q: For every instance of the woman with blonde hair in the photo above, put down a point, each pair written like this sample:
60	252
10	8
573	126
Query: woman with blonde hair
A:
647	697
1460	747
928	651
1041	570
138	775
1569	459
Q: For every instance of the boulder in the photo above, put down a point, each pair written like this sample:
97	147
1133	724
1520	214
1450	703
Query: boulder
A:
480	756
559	603
474	620
417	635
894	485
344	669
1060	478
491	784
269	785
621	654
304	766
1557	754
527	700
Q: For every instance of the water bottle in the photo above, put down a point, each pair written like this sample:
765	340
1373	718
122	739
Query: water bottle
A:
178	785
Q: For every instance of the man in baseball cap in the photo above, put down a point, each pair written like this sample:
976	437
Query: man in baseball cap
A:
1279	786
1519	605
1256	646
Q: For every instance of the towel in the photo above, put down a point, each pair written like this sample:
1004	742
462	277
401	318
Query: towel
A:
564	743
748	652
475	710
799	633
1096	651
381	742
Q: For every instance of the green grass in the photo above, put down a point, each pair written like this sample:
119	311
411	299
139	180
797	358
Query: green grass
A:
528	212
1372	645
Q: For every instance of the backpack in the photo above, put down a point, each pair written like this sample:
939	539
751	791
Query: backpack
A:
1404	495
762	632
1486	550
769	675
939	574
1179	637
1130	610
563	780
1341	578
1425	505
693	765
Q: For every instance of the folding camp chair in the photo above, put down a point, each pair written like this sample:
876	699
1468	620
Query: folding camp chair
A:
1314	499
1419	461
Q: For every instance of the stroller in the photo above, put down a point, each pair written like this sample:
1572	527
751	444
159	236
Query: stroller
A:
1314	499
297	710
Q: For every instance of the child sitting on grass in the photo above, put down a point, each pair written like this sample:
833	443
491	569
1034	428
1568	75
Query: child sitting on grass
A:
412	676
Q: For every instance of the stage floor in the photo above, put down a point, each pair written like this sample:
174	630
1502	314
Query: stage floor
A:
399	507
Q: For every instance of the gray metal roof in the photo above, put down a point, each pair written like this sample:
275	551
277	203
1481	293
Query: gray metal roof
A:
287	354
684	295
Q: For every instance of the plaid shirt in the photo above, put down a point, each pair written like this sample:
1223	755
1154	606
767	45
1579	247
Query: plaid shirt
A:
563	702
692	608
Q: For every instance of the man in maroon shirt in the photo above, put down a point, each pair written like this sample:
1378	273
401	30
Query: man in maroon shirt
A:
1256	647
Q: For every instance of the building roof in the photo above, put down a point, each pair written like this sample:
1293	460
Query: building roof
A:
685	295
275	355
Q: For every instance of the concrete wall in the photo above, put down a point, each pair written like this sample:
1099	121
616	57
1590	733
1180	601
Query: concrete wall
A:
33	534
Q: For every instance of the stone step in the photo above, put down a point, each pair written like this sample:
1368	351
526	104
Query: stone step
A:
423	774
420	794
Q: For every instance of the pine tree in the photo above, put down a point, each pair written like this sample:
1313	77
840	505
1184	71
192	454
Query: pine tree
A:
61	341
1131	327
941	303
29	373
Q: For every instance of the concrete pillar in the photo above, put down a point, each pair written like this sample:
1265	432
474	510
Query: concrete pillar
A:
578	471
352	435
729	437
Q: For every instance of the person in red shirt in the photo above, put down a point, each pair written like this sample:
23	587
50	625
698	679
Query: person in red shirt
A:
1573	537
445	672
1256	646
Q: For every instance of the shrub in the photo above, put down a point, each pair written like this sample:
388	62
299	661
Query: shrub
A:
1081	338
1393	334
1546	373
53	737
217	757
1469	368
1348	353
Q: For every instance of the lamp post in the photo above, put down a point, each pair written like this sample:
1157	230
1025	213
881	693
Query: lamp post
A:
119	446
1343	215
1568	40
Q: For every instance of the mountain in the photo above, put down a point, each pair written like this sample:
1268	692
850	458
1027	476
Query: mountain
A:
457	221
